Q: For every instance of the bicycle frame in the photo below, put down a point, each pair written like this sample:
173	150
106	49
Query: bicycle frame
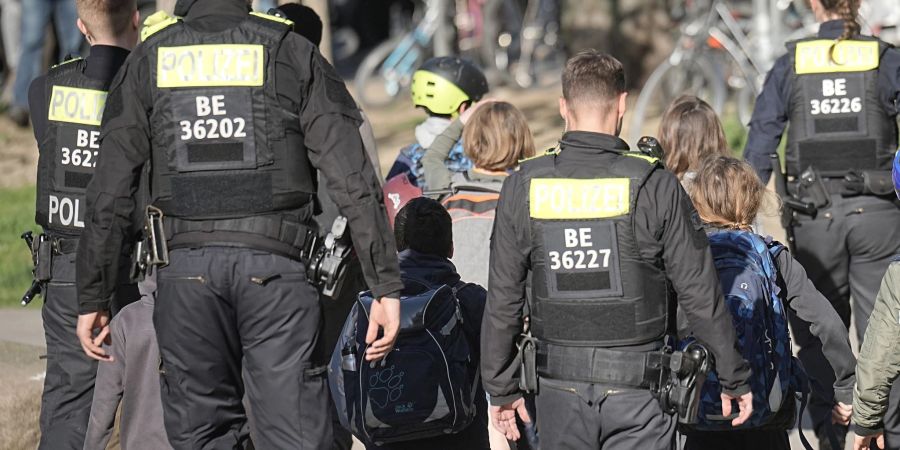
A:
404	60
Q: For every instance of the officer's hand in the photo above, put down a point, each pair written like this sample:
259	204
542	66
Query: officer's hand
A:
385	314
467	112
841	413
745	405
504	418
88	324
863	442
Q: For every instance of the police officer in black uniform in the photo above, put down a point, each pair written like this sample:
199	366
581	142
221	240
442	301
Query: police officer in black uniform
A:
839	91
67	105
234	113
602	234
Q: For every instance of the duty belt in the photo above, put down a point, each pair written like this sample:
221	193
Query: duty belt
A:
299	238
601	365
64	246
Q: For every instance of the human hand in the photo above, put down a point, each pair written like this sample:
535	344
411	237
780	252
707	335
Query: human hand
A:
468	112
841	413
87	324
745	405
504	418
863	442
384	314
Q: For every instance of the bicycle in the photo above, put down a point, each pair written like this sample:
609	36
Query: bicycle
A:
525	49
718	54
513	47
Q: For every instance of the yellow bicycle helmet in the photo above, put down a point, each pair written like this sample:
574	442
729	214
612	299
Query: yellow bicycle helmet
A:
442	84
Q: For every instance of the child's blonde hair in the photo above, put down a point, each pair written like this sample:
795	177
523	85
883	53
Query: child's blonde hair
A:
690	132
497	136
727	193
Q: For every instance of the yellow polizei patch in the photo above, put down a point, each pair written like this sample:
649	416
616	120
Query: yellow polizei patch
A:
565	198
210	65
849	56
76	105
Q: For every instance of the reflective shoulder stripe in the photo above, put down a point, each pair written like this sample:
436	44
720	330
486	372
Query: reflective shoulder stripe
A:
70	60
282	20
812	57
647	158
76	105
548	152
156	22
210	65
573	199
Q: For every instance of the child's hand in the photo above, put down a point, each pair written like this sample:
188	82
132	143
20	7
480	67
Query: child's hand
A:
467	112
841	413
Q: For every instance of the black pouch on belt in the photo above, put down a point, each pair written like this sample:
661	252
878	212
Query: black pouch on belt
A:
43	259
868	182
528	376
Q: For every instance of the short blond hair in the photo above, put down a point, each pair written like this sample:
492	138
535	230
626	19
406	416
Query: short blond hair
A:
108	18
497	136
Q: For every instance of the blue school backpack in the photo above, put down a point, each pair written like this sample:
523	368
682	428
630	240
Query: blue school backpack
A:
409	162
746	266
424	388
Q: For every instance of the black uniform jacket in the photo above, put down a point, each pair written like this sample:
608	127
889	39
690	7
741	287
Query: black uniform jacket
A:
329	119
770	115
667	226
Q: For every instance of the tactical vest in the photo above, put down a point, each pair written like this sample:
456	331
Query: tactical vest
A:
837	122
590	284
222	145
69	149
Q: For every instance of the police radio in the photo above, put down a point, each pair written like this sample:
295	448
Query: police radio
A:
327	267
650	146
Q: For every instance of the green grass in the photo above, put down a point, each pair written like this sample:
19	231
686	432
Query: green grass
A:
16	216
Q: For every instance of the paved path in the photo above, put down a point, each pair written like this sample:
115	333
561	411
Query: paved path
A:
22	325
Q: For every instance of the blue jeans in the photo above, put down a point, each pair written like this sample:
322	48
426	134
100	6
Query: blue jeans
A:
36	15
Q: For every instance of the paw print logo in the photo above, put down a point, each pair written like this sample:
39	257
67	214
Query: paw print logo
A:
386	386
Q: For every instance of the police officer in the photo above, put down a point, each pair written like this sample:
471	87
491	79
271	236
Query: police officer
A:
839	91
67	105
232	112
602	234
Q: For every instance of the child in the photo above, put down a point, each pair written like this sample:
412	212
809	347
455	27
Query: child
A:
496	136
727	194
424	236
690	132
444	87
879	358
132	379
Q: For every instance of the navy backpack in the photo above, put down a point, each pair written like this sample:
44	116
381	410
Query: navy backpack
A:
747	272
424	388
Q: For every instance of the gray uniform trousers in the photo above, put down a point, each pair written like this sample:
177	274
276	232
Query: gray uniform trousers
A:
578	416
217	306
845	250
69	384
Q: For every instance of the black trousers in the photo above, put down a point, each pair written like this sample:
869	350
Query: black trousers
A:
217	307
69	384
578	416
845	250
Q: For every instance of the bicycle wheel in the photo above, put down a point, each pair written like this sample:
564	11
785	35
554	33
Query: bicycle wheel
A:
695	75
378	85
